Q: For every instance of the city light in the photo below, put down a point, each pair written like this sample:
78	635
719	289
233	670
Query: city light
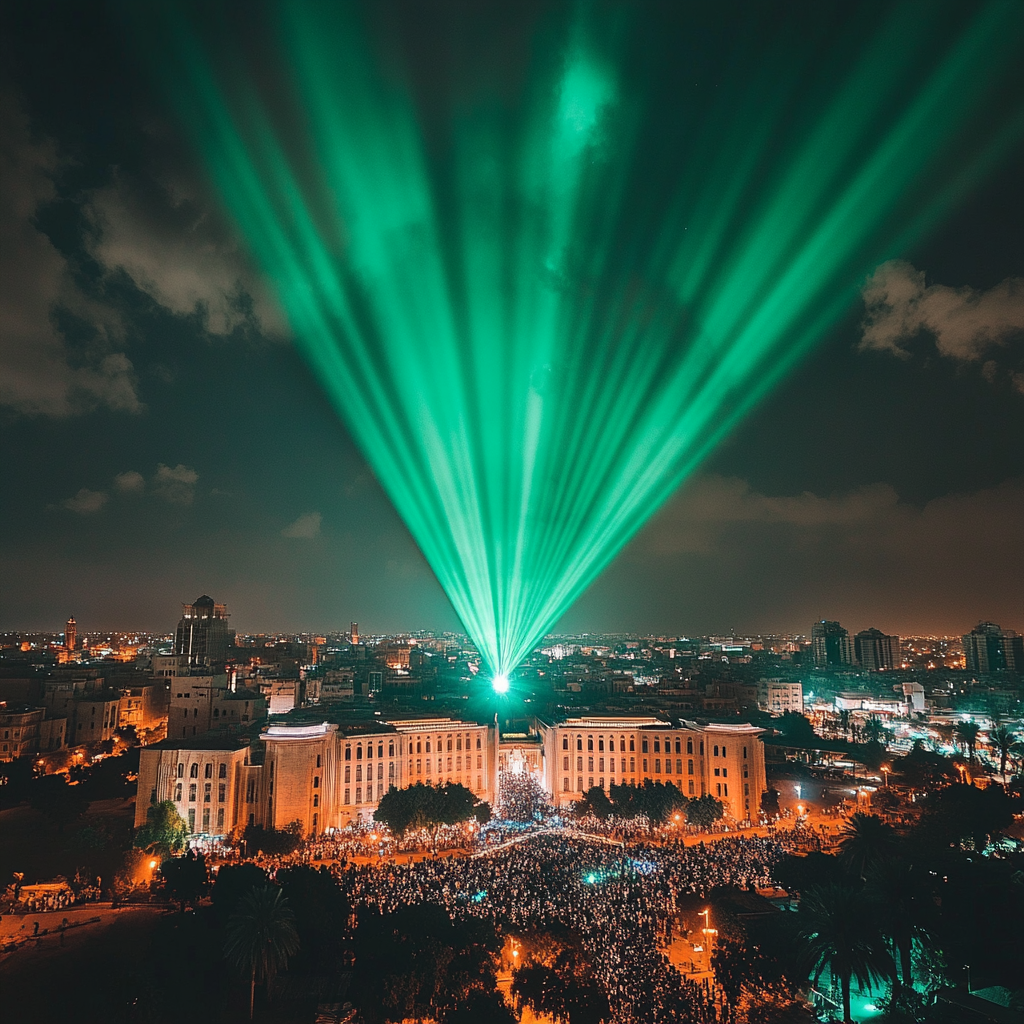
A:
530	363
500	683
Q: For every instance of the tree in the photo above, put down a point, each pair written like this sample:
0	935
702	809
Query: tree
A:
595	801
261	937
923	769
60	802
901	902
427	807
274	841
654	800
961	812
481	1006
165	831
838	936
232	883
864	840
797	728
770	803
322	912
417	962
704	811
1003	739
186	879
874	730
556	977
967	734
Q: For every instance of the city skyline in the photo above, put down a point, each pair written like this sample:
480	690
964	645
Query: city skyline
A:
166	438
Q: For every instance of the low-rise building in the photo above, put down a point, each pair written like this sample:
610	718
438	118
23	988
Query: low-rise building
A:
724	761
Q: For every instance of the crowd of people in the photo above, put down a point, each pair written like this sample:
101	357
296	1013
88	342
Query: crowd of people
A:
617	901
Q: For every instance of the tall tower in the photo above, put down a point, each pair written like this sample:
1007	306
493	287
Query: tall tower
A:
70	634
203	635
353	633
831	645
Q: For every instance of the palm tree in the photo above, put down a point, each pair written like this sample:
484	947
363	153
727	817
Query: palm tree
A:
844	723
946	733
864	840
261	936
901	901
839	936
1003	739
967	734
874	730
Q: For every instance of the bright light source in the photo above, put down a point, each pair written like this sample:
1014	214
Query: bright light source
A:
476	338
500	683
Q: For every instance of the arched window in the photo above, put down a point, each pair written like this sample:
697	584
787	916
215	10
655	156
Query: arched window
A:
193	772
348	753
565	742
579	742
208	771
359	752
600	743
181	770
622	743
632	743
380	749
222	772
391	749
689	744
449	744
590	743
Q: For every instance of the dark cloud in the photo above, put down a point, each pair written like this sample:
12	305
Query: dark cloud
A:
722	554
967	324
38	374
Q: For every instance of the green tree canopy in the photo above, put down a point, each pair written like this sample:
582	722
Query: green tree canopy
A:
261	937
165	831
704	811
186	879
839	935
864	840
417	962
427	807
232	883
655	801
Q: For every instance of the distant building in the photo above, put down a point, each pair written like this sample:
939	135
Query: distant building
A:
353	633
876	651
202	703
831	646
70	634
723	761
325	775
987	648
202	637
25	731
777	696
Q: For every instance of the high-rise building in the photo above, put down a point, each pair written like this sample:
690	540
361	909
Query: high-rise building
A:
987	648
70	634
353	632
831	645
203	637
876	651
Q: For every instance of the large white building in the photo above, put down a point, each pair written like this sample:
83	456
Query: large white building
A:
327	775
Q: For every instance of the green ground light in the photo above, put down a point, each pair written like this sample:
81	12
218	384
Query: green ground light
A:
536	308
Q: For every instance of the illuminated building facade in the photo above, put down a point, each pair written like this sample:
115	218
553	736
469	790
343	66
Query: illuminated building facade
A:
987	648
326	775
831	645
724	761
202	637
877	651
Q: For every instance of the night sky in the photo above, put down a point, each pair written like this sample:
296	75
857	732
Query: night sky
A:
162	438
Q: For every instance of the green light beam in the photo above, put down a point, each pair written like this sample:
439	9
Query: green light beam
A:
535	316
